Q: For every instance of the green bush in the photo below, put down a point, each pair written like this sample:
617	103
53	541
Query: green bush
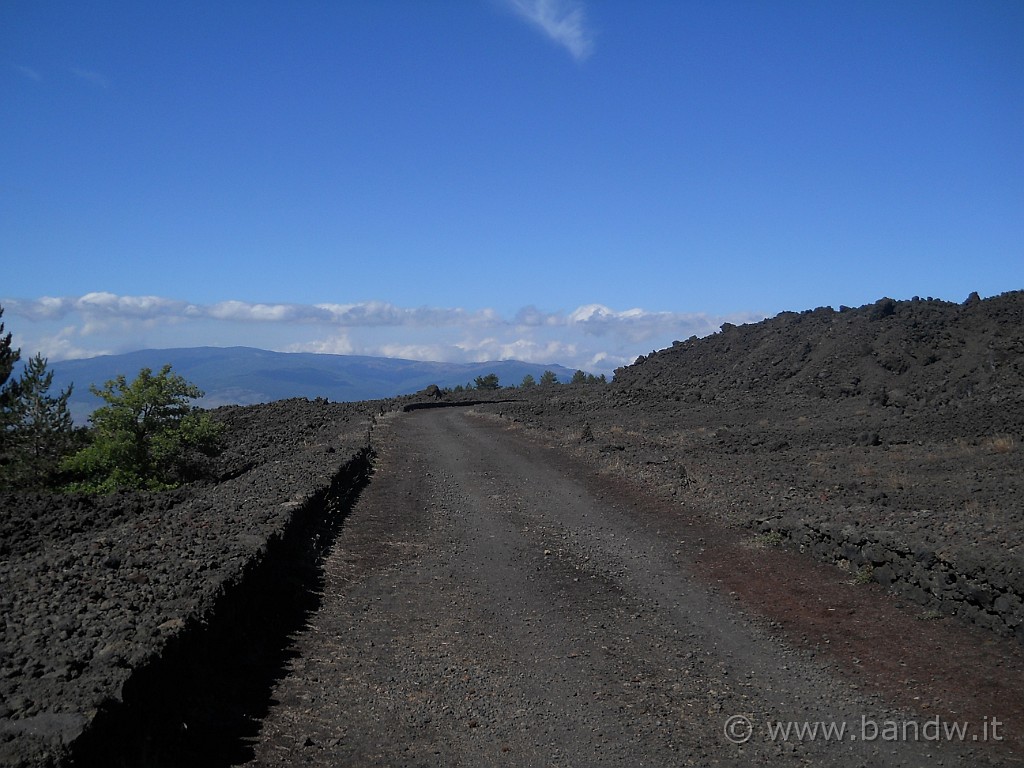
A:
490	381
147	436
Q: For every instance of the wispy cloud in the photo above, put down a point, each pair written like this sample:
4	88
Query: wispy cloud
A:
592	337
92	78
563	21
30	73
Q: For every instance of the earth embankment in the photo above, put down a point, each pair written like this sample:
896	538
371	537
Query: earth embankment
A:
112	606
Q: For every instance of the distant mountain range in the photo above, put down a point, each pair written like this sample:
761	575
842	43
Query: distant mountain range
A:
244	375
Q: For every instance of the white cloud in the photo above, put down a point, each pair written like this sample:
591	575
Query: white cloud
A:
42	308
62	346
640	325
561	20
378	313
110	304
528	350
450	353
478	350
593	337
532	317
265	313
338	344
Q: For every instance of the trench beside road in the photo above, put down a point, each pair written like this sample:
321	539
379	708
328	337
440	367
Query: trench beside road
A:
487	602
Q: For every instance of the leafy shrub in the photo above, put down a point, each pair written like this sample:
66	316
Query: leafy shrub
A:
147	436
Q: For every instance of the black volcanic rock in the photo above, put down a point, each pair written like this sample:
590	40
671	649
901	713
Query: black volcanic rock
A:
956	368
885	437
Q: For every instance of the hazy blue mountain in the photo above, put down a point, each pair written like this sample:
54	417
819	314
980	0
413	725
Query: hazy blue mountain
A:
244	375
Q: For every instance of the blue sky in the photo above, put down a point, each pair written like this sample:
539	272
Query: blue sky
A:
571	182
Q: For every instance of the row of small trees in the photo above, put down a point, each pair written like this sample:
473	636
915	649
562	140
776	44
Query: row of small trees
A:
579	377
147	435
547	379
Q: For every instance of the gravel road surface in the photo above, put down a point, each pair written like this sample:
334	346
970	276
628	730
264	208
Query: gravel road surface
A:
490	603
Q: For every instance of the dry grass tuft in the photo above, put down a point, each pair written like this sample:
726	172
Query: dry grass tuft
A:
1000	444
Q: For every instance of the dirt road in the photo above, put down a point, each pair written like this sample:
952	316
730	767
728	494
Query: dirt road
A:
489	603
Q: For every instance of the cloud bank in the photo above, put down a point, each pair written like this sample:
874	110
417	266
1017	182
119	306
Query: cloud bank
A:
563	21
592	337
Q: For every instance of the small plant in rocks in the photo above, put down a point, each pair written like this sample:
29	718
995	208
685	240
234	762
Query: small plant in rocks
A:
864	576
769	539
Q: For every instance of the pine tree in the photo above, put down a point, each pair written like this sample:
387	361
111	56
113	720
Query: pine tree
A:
548	378
8	396
8	356
42	429
490	381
